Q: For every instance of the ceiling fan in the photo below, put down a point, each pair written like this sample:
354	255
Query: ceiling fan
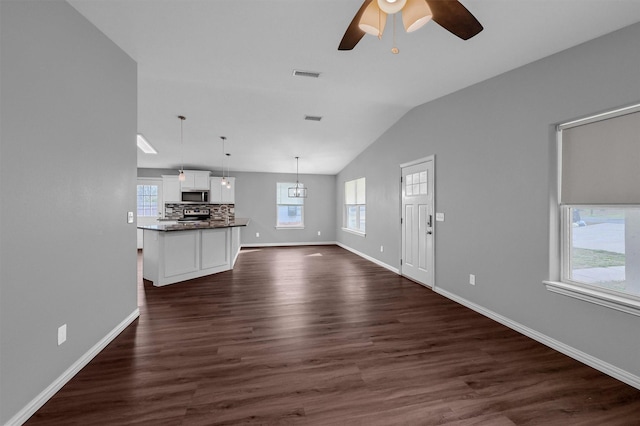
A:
372	16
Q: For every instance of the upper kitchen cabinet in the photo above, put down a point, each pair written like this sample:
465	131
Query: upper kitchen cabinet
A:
220	194
195	180
170	189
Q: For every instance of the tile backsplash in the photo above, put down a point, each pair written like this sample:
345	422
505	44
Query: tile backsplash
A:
174	211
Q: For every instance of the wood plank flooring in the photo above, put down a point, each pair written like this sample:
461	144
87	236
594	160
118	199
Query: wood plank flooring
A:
319	336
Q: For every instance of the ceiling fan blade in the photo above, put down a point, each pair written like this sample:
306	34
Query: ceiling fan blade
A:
354	34
455	18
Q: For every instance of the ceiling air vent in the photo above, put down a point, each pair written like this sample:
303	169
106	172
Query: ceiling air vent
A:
311	74
312	117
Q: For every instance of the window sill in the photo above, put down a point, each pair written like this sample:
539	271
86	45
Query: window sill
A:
289	227
351	231
628	305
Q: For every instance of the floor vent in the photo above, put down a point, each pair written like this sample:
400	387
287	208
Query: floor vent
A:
312	117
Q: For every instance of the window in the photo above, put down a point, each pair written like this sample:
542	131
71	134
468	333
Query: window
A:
290	211
148	200
599	205
599	243
355	206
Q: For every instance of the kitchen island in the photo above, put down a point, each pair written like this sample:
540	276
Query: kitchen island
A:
175	252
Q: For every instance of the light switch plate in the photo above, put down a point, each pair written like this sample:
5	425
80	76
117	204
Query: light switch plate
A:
129	217
62	334
439	217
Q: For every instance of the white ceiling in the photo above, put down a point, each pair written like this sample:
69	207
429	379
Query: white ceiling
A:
227	66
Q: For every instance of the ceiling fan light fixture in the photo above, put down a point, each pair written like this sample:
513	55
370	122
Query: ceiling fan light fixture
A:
415	15
391	6
373	20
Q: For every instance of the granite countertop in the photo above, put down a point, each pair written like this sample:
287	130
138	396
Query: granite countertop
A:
205	224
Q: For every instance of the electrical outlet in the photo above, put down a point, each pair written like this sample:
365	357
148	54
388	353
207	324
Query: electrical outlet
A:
472	279
381	249
319	233
129	217
257	235
62	334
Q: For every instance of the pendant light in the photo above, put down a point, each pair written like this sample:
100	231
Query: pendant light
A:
228	170
298	191
223	182
181	176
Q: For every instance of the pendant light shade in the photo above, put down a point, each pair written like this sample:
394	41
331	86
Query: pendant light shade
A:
415	14
391	6
181	176
373	20
297	191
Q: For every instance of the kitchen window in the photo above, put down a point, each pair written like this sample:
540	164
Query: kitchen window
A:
147	200
355	207
599	208
289	210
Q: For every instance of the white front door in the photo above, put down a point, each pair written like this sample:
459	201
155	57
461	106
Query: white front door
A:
418	222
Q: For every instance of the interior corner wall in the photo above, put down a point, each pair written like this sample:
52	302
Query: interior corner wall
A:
495	163
255	197
67	181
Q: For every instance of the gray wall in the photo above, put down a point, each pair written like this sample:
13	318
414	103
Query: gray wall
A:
256	200
67	180
495	173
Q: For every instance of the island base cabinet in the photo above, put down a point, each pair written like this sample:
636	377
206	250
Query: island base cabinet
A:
215	249
171	257
180	253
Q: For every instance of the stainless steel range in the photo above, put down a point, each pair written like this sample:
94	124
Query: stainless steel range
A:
195	215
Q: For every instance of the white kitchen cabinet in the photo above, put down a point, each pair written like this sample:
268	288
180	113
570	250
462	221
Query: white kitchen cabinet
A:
195	180
170	189
220	194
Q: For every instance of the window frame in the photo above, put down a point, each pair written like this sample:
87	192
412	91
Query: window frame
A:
345	219
561	243
288	205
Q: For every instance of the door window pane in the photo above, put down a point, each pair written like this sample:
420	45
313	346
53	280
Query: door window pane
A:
147	200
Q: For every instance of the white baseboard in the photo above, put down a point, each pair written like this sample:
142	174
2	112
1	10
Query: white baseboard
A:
370	259
585	358
29	410
315	243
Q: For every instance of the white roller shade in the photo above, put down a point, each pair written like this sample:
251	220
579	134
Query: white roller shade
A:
282	196
354	191
601	162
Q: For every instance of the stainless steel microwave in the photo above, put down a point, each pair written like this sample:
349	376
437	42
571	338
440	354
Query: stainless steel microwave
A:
199	197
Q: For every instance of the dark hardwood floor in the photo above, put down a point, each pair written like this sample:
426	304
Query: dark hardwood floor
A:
319	336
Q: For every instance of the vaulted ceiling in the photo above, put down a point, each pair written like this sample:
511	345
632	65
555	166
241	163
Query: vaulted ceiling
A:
227	65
